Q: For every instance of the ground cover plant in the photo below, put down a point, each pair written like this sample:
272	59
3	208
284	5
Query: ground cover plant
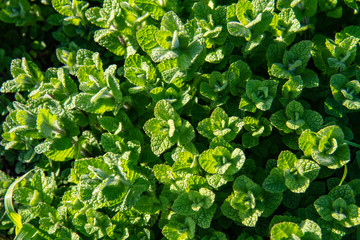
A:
169	119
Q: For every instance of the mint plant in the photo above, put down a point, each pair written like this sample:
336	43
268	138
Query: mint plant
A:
326	147
259	95
306	230
249	201
179	120
291	173
295	118
220	125
255	128
345	91
167	128
339	206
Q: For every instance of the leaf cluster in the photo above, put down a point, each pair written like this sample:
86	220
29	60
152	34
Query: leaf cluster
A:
169	119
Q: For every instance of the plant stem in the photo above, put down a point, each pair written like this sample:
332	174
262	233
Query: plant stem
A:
352	144
344	175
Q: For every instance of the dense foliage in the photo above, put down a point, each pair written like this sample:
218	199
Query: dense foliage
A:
169	119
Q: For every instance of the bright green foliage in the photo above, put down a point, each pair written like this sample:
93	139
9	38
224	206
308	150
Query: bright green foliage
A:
307	229
248	202
213	25
110	180
326	147
303	8
286	24
220	125
345	91
220	163
250	20
353	4
139	71
296	118
291	173
339	206
73	10
172	40
101	89
243	74
198	205
26	75
38	189
178	97
167	128
217	87
179	227
293	64
255	128
259	95
169	119
334	56
118	22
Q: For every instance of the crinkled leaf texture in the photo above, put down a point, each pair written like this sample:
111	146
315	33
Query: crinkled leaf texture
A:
326	147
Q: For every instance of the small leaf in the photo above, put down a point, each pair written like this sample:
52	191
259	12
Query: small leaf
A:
237	30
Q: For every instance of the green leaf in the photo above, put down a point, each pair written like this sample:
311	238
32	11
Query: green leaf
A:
111	40
48	124
313	120
220	125
207	161
261	93
296	183
307	141
187	133
146	38
83	101
171	22
218	180
155	10
167	128
204	217
164	173
160	144
26	76
246	104
8	204
286	230
146	204
243	73
293	87
247	200
63	7
182	205
279	119
164	111
242	7
274	183
249	141
353	212
298	52
139	70
310	78
278	70
311	229
179	228
26	232
98	17
238	30
323	206
61	149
